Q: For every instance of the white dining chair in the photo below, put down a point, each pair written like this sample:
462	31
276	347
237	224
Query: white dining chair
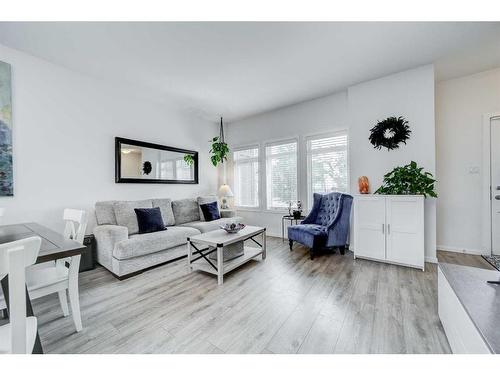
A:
62	275
18	336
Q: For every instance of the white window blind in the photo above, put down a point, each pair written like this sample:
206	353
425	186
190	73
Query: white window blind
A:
167	170
183	171
246	177
281	175
327	168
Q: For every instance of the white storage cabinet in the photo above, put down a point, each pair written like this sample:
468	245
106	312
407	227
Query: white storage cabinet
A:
390	228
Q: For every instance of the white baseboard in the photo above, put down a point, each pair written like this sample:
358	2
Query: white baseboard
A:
431	259
462	250
271	234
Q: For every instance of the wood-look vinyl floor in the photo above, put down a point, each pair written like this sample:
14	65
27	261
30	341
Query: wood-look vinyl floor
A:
286	304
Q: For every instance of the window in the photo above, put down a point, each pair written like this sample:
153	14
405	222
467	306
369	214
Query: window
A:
183	170
167	170
281	175
327	168
246	177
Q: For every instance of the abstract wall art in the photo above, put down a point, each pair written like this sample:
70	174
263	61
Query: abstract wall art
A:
6	175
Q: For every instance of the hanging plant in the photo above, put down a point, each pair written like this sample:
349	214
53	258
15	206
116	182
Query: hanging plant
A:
408	180
219	149
188	158
390	133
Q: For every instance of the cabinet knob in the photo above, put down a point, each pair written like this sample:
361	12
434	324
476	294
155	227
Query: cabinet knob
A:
383	228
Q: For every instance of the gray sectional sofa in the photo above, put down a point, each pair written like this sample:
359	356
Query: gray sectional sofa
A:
125	252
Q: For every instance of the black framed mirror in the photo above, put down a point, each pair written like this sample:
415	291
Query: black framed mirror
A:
143	162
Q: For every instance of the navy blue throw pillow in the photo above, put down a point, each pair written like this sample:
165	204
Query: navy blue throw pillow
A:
210	211
149	220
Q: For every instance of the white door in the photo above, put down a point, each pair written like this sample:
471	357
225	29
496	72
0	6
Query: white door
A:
405	230
369	227
495	186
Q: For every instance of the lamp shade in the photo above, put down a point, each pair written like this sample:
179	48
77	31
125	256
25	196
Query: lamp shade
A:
225	191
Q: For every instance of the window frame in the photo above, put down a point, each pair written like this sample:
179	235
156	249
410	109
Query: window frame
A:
267	144
308	161
257	146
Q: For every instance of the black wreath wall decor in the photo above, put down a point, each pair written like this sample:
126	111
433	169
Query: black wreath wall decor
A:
147	167
390	133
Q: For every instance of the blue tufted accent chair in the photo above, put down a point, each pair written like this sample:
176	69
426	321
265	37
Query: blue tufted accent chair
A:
326	226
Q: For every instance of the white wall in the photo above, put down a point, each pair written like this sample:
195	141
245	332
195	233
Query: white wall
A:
64	125
460	105
323	115
409	94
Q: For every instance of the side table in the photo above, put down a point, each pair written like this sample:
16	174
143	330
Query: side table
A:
291	219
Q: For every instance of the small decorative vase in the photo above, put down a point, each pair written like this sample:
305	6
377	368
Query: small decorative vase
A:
364	185
297	214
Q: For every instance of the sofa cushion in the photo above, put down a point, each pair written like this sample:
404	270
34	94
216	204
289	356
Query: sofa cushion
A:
207	226
148	243
149	220
104	213
166	210
204	200
125	214
185	210
210	211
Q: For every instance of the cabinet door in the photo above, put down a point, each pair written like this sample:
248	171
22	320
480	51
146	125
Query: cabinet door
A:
405	230
369	227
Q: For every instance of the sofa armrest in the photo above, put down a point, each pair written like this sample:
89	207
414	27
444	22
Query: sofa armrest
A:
106	236
227	213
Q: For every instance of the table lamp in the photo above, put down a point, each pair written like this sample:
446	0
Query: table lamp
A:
225	192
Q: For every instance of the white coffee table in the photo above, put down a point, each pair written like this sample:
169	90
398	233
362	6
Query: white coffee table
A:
216	241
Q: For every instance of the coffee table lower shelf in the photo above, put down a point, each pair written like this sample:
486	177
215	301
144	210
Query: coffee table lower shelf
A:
202	245
228	266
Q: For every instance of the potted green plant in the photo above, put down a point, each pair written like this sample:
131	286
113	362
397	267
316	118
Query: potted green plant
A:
408	180
219	148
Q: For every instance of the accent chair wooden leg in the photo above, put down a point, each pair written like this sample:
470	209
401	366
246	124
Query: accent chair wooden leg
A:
290	243
342	250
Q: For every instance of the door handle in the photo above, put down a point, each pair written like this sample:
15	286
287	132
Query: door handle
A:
383	228
388	229
497	197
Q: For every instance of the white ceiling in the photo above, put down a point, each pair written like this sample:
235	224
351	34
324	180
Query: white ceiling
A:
240	69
